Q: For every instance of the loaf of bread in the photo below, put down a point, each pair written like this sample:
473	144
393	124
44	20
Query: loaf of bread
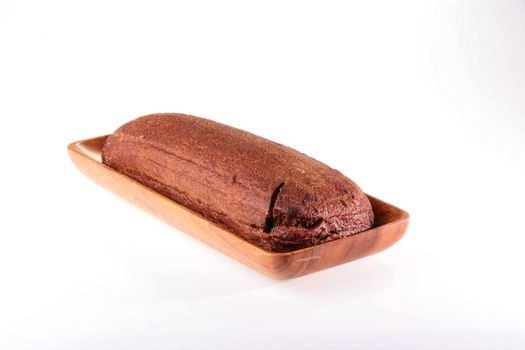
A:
268	194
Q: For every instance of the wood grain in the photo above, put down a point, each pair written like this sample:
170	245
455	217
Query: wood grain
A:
390	223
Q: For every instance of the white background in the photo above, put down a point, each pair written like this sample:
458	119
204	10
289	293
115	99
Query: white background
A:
421	103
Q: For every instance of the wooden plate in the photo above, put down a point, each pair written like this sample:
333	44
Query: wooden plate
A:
390	223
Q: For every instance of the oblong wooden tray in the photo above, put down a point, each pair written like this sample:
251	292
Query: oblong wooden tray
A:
390	223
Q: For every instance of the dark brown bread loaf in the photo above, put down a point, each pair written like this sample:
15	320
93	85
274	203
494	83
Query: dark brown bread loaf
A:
267	193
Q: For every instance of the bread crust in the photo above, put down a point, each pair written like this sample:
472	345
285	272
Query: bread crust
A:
269	194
